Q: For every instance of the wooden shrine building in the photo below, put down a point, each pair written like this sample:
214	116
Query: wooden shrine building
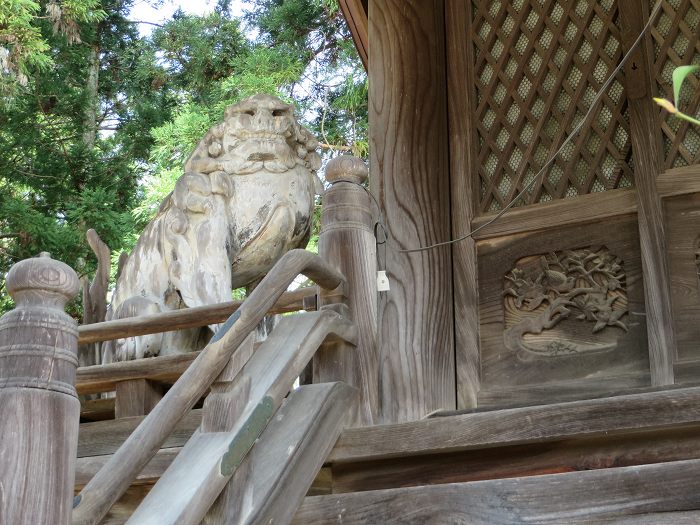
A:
544	370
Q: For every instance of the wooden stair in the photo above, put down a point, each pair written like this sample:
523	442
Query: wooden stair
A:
633	456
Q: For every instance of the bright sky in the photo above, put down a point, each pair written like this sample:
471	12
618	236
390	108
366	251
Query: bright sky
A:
144	12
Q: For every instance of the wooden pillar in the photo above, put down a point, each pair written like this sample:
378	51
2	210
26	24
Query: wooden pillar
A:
39	408
464	193
410	176
347	242
645	130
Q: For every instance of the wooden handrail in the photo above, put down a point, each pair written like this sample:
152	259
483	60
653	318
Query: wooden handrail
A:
110	483
302	299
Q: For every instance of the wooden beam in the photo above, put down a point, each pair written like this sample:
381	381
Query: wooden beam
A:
303	299
615	449
355	13
136	397
103	438
586	208
520	425
463	187
276	475
410	175
645	131
200	472
679	181
572	498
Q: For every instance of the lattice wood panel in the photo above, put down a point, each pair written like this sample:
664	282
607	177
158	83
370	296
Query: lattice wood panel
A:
538	66
676	43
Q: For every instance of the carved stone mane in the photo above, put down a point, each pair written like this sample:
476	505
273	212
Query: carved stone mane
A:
246	197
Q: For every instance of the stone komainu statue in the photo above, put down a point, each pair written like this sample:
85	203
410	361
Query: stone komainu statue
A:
246	197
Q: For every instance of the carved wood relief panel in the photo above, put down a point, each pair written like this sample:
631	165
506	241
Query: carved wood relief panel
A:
562	314
565	303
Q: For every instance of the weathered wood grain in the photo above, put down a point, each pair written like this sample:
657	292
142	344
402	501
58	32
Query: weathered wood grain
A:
101	438
87	467
410	175
280	469
347	241
682	220
559	455
104	378
108	485
679	181
136	397
355	13
509	376
580	210
647	149
96	409
585	208
197	476
689	517
39	409
520	425
572	498
464	195
302	299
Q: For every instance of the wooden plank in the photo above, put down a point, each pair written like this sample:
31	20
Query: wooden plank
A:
645	131
586	208
136	397
103	438
560	455
200	472
280	469
87	467
689	517
679	181
410	175
302	299
520	425
96	409
104	378
682	223
580	210
355	14
463	198
572	498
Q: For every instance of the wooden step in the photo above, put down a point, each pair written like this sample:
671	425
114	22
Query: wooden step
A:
639	494
602	433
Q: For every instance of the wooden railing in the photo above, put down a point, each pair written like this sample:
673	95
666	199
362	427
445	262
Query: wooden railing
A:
246	383
112	480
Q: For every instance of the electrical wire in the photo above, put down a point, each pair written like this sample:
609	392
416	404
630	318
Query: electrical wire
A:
540	174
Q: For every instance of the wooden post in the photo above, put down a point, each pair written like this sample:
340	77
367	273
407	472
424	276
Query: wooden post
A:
347	242
39	408
645	135
410	165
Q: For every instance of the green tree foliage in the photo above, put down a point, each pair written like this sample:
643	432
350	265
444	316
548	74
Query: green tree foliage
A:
98	120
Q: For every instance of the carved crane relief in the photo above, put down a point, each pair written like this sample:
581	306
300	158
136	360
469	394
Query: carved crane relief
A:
565	303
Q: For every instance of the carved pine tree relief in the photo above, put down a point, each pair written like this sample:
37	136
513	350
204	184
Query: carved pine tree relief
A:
565	303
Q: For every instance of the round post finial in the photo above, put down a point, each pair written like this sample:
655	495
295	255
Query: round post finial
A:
346	167
40	280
